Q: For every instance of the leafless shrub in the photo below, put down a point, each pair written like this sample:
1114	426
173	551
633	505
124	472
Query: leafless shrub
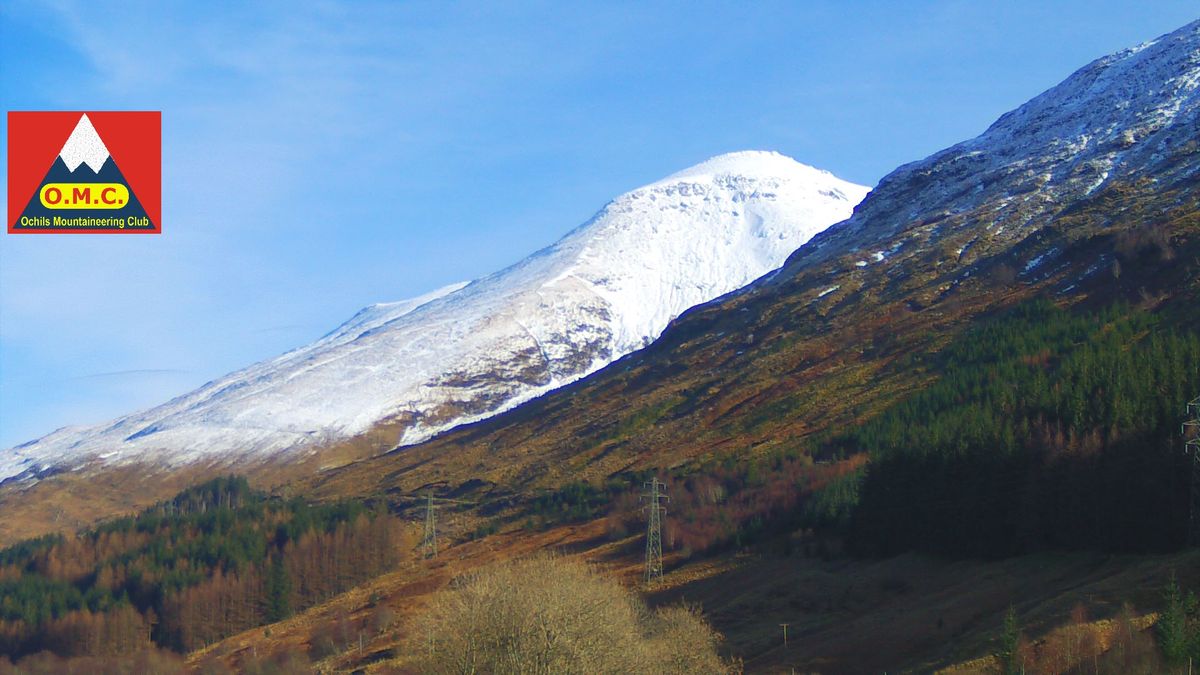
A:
1133	650
381	619
681	641
212	664
551	615
323	640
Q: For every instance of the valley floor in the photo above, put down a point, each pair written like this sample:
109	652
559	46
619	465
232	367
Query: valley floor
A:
904	614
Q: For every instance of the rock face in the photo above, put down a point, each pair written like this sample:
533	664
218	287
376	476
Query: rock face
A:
469	351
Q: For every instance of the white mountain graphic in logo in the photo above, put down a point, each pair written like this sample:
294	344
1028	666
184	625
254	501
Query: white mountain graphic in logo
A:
84	146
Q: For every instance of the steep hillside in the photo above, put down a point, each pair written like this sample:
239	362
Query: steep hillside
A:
468	351
825	341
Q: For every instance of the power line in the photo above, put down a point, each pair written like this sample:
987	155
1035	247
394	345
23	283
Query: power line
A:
655	512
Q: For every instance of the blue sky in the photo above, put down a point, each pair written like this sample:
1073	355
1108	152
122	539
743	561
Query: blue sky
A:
319	157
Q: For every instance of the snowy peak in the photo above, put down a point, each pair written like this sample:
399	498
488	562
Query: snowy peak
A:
751	165
469	351
84	146
747	163
698	234
1133	113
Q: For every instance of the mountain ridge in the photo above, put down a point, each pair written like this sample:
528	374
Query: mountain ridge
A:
816	343
470	350
1064	143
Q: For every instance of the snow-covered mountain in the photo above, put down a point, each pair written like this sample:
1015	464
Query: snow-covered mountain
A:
1124	117
469	351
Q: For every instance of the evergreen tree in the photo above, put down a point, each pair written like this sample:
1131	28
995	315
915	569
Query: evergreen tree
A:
279	591
1009	654
1174	636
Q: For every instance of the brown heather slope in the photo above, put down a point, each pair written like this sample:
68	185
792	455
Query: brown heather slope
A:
905	614
912	613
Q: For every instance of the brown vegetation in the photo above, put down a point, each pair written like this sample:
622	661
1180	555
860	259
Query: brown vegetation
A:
551	615
216	560
146	662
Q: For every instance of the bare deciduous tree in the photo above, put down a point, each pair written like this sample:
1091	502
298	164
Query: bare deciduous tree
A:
551	615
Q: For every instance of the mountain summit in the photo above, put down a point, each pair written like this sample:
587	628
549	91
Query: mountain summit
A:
469	351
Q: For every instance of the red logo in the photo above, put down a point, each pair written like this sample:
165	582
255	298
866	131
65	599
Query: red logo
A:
84	172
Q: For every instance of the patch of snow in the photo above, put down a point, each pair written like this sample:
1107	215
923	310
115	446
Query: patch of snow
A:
1099	181
1037	260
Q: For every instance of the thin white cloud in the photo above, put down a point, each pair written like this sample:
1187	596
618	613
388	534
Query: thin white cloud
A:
137	373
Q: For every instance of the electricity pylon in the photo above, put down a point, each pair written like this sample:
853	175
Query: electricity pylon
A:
429	541
654	511
1191	445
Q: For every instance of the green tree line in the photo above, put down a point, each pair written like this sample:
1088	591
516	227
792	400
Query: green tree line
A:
1046	429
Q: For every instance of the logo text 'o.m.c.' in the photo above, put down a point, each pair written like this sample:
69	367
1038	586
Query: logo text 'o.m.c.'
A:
83	195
